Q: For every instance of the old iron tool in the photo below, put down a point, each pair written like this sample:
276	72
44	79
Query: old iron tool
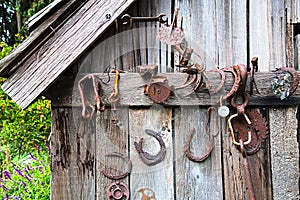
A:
127	19
147	158
258	128
83	88
122	175
171	35
254	62
211	139
114	97
247	171
158	89
117	191
285	83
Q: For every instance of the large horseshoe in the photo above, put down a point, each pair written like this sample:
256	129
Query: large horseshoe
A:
147	158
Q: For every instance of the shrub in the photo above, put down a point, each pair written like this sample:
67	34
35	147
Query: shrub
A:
27	177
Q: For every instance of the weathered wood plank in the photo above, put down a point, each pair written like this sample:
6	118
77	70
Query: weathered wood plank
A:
111	138
259	165
155	54
197	180
132	92
72	155
61	50
284	152
37	37
268	33
159	177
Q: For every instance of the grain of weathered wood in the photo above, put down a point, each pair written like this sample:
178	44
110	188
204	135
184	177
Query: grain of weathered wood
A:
259	165
110	138
285	153
72	155
132	91
197	180
62	50
159	177
268	33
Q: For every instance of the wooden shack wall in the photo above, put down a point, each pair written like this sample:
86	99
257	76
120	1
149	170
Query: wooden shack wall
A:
225	33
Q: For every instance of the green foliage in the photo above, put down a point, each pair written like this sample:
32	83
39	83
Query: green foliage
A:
21	127
28	177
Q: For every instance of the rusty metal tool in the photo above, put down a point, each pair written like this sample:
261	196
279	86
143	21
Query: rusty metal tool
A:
117	191
114	97
254	62
147	158
127	19
122	175
83	87
158	89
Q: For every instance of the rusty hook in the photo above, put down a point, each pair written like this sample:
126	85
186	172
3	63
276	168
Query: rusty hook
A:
98	103
114	97
187	148
122	175
211	139
147	158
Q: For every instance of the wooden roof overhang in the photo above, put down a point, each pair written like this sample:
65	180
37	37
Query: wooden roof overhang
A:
63	31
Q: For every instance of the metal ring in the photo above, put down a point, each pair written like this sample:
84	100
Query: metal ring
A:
122	175
222	73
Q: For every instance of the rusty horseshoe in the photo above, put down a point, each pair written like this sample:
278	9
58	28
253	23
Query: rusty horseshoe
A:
201	158
147	158
237	79
122	175
222	73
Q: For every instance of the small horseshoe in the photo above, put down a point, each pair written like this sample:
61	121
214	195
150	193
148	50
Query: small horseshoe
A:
222	73
237	79
147	158
122	175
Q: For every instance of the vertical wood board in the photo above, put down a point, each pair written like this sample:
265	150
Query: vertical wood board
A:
157	178
111	138
285	153
197	180
72	155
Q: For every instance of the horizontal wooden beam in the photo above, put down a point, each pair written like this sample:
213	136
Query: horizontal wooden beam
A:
65	93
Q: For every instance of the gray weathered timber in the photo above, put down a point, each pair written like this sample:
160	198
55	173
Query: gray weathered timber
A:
197	180
110	138
43	67
72	155
132	91
285	153
268	34
159	177
259	167
37	38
